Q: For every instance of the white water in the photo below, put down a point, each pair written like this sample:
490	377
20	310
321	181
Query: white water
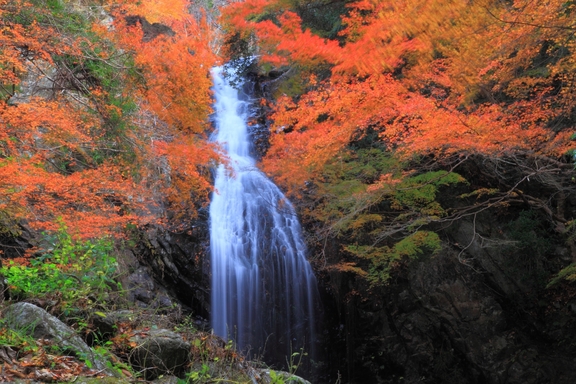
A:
264	293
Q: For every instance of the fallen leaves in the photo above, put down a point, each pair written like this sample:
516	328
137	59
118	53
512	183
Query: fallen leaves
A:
40	365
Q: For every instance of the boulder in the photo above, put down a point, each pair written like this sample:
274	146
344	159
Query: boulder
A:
159	352
36	322
106	324
267	376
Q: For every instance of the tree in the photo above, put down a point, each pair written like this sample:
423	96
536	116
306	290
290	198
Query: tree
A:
435	85
121	124
175	87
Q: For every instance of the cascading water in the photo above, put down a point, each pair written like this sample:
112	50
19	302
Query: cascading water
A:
264	293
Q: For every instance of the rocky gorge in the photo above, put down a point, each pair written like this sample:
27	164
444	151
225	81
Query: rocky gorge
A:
494	301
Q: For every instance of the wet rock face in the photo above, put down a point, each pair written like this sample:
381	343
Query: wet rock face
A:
428	326
151	30
400	333
259	124
447	317
443	321
172	265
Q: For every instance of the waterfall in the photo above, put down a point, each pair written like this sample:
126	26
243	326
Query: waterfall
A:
264	292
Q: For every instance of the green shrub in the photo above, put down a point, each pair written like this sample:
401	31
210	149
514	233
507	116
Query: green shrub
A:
74	272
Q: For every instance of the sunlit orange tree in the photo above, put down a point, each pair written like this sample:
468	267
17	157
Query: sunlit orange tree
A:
99	123
173	67
380	103
50	143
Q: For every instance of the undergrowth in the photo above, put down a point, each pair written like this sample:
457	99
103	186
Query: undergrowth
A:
72	273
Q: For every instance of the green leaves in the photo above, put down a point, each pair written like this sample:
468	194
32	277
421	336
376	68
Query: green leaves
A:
565	274
71	271
384	259
380	211
275	378
419	192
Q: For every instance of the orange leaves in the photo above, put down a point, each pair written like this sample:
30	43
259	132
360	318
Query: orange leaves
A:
281	38
178	82
376	42
93	202
431	77
174	68
488	130
67	156
40	366
240	14
302	143
157	10
385	181
26	124
175	71
408	122
46	168
379	36
188	162
289	40
20	31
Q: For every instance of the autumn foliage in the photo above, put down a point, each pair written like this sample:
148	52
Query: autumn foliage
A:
369	99
421	86
432	76
174	68
116	124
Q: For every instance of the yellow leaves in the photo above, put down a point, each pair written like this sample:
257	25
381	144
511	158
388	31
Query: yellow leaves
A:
364	219
344	266
386	182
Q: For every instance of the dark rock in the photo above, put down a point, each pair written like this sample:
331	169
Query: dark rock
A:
177	261
141	286
146	293
15	240
159	352
106	324
458	317
151	31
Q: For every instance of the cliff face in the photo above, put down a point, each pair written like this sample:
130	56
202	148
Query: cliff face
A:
178	262
477	312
